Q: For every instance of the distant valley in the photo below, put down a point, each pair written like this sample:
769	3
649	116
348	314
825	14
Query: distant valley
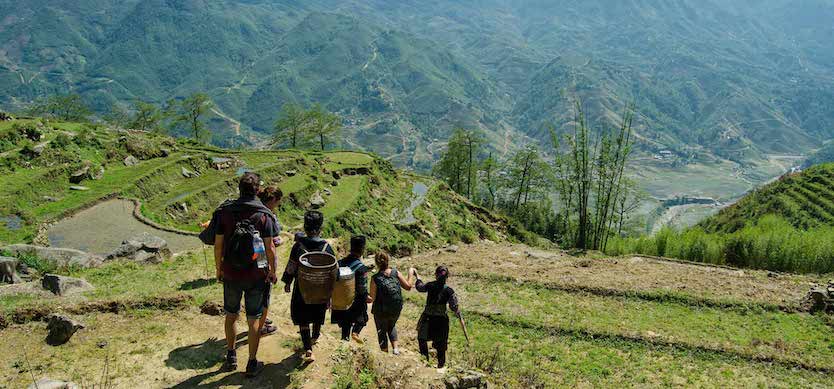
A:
729	95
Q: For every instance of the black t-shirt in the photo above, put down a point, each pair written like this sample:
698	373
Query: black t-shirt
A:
264	223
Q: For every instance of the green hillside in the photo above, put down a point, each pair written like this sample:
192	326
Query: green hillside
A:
178	185
732	81
804	199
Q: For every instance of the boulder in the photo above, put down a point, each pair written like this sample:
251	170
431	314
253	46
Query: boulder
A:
46	383
334	183
62	285
131	161
143	248
97	174
327	192
316	201
79	188
165	152
58	256
466	380
336	175
50	199
39	149
8	270
220	163
80	175
291	173
61	329
452	249
188	173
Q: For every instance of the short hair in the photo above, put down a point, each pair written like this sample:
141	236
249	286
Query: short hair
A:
249	184
270	193
382	260
357	243
441	273
313	220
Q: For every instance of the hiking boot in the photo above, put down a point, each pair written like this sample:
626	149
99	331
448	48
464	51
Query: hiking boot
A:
356	338
231	360
253	368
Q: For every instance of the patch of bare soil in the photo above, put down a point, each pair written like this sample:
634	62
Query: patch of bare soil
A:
635	274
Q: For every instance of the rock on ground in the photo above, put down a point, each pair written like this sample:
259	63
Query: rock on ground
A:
467	380
58	256
46	383
8	270
142	248
61	329
62	285
316	201
131	161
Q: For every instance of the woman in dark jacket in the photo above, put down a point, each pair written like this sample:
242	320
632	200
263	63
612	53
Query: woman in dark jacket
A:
303	314
354	319
386	294
434	322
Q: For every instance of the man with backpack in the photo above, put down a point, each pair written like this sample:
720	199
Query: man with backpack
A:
244	255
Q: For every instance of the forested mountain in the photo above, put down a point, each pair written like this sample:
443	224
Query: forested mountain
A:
735	80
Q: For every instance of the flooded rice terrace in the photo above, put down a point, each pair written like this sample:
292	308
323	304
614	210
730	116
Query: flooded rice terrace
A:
102	228
418	192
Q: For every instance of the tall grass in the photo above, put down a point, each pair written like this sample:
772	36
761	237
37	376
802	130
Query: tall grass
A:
772	244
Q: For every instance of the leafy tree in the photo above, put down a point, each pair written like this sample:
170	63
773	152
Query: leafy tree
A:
457	166
118	116
190	114
527	177
147	117
68	108
293	125
323	124
490	171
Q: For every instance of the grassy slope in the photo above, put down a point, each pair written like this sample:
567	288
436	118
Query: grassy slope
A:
364	191
806	200
523	335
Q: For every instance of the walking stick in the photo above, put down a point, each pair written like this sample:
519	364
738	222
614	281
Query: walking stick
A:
463	325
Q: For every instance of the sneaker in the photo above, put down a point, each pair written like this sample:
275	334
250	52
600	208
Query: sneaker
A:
268	329
356	338
396	351
253	368
231	360
268	322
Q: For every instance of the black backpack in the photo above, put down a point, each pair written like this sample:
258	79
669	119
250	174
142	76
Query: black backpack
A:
207	235
240	247
389	293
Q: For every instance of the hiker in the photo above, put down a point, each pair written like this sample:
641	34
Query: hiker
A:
387	297
270	196
354	319
304	315
244	256
434	322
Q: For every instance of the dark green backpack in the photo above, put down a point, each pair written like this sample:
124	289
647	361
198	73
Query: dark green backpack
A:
389	294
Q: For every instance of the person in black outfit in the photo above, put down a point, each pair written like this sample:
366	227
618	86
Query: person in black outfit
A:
304	315
434	322
354	319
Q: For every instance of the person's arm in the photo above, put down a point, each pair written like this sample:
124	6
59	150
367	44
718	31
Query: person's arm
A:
405	283
362	282
271	260
372	292
420	286
218	256
291	269
453	302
